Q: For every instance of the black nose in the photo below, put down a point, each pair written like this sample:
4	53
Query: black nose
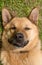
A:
19	37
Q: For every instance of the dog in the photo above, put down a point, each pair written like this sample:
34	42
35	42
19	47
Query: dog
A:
20	39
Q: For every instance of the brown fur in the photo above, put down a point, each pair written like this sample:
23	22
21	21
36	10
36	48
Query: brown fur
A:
28	55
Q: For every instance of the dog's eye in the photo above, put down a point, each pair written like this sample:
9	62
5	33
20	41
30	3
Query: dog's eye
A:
13	28
26	28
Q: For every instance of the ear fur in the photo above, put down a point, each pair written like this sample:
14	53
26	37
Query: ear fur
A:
5	16
34	15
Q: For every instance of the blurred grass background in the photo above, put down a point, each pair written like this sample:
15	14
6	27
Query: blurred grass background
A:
22	8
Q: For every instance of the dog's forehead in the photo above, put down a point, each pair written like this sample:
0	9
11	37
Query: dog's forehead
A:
22	20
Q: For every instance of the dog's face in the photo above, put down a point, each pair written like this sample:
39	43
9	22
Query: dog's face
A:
20	33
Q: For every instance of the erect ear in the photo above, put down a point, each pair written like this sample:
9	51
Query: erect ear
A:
5	16
34	15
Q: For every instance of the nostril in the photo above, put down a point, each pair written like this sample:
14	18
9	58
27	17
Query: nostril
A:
19	35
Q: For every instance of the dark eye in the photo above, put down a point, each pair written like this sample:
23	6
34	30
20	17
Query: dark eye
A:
13	28
26	28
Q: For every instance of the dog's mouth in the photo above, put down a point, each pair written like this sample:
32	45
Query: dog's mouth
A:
18	40
18	44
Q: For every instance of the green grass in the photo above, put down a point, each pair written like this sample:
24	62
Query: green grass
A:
22	8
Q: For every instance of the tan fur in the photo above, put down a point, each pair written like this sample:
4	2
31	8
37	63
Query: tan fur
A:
10	54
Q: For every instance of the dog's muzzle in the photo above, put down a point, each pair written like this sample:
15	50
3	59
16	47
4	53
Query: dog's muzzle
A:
18	40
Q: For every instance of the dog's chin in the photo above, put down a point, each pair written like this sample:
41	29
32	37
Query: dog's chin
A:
18	44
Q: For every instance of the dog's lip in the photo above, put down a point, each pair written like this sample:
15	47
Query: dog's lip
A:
17	44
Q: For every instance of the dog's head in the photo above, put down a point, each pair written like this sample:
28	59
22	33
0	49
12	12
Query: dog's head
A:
20	33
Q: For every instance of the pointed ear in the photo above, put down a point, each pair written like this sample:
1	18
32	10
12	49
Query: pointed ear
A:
5	16
34	15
